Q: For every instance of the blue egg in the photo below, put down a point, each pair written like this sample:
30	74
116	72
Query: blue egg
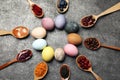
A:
60	21
39	44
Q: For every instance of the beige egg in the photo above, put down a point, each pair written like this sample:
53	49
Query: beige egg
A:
74	38
38	32
59	54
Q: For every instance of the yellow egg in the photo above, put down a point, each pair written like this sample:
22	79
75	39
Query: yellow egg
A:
48	54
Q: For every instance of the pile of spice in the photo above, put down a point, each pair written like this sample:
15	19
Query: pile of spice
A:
83	62
24	55
92	43
37	10
62	4
88	21
41	69
20	32
64	71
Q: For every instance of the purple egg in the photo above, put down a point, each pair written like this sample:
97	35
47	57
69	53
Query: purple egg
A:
47	23
71	50
60	21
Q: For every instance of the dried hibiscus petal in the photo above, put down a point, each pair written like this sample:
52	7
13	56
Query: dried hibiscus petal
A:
37	10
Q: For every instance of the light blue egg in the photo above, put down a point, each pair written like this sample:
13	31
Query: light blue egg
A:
60	21
39	44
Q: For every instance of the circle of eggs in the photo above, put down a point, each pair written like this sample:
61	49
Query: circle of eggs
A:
71	50
47	53
47	23
59	54
39	44
38	32
60	21
72	27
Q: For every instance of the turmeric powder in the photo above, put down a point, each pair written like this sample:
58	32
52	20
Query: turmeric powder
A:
41	69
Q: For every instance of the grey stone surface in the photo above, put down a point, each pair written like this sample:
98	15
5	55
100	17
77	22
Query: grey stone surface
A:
105	62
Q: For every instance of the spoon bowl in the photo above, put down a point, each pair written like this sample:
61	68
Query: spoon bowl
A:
36	71
94	44
62	9
18	32
36	9
64	72
89	21
22	56
85	65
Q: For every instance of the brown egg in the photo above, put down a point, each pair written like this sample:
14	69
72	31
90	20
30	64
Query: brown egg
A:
74	38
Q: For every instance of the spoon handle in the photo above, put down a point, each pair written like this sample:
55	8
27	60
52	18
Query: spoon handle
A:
36	79
95	75
114	8
4	32
7	64
110	47
30	2
64	79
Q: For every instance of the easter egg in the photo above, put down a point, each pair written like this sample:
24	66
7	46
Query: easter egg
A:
47	23
48	54
71	50
59	54
60	21
39	44
72	27
38	32
74	38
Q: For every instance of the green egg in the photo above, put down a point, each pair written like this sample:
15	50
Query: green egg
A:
72	27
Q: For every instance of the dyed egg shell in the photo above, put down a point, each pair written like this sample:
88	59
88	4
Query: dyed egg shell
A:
60	21
59	54
72	27
48	54
71	50
74	38
47	23
38	32
39	44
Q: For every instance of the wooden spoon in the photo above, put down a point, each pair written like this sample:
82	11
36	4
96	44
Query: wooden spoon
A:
22	56
18	32
66	68
94	44
38	12
88	64
94	18
36	71
64	9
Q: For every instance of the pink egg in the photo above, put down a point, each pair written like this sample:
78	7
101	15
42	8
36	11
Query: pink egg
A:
71	50
47	23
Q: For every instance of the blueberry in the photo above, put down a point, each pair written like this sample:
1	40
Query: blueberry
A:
61	9
62	3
